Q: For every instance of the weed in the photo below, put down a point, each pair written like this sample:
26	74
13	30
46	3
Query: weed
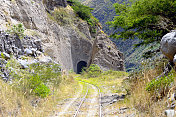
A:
161	83
35	79
17	30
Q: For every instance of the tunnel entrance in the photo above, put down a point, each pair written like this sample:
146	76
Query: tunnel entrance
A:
80	66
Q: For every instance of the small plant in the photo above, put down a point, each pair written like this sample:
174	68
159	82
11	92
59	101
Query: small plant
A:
93	22
161	83
41	90
93	71
17	30
36	79
61	16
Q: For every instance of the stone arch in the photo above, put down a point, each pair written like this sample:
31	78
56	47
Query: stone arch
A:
80	66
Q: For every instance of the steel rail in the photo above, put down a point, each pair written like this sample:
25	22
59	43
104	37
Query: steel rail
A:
82	101
100	95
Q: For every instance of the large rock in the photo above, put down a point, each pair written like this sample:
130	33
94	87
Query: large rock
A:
106	55
168	45
170	113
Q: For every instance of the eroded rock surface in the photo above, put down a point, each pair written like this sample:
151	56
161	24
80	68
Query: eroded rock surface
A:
106	55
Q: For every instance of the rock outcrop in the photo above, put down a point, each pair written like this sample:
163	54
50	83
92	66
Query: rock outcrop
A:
168	45
66	40
106	55
50	4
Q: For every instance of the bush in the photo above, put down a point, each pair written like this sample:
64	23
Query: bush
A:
41	90
93	24
17	30
161	83
36	79
93	71
84	12
159	87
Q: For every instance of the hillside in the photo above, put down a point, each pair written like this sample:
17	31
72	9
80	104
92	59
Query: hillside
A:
104	12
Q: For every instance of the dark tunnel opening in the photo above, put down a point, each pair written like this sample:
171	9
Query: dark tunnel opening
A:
80	66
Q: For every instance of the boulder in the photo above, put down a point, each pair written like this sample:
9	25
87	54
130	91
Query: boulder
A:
45	59
168	45
28	51
106	55
24	64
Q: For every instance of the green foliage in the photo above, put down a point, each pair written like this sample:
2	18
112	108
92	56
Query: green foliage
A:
42	90
160	84
93	24
84	12
17	30
144	19
93	71
2	55
36	79
115	73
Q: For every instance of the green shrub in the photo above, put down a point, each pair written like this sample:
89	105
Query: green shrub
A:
36	79
84	12
159	85
17	30
42	90
93	24
93	71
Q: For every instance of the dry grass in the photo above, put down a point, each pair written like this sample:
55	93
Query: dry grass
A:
145	102
14	103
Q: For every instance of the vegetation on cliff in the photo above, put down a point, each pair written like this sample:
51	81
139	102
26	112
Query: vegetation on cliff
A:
84	12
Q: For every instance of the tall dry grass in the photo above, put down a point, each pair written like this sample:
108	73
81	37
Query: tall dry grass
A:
148	104
15	104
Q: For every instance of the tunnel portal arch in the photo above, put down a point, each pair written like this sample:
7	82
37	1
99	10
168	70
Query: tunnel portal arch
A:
80	66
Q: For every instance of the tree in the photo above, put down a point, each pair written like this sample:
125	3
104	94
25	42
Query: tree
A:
147	20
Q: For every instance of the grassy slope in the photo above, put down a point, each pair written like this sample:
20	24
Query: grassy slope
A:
111	80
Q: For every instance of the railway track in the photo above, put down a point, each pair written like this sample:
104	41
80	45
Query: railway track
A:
89	113
81	103
77	111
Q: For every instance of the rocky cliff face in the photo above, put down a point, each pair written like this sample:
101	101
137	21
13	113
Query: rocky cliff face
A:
106	55
67	40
